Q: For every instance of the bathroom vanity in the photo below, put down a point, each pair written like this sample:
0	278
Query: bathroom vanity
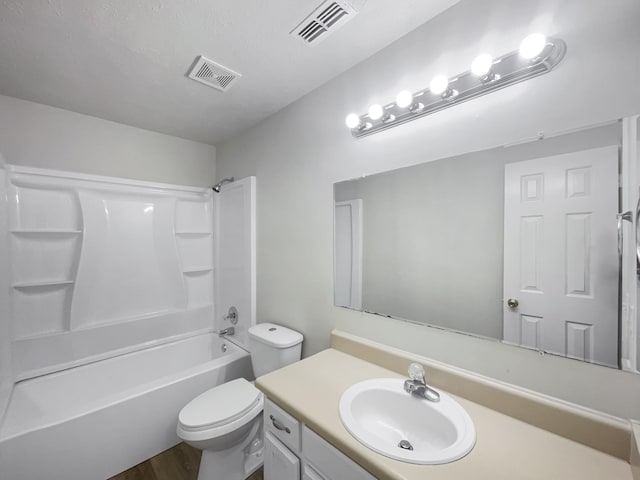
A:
519	434
294	451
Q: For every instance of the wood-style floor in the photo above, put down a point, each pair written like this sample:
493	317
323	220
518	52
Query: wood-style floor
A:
178	463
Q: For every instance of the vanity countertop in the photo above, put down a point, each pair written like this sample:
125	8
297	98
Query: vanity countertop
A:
506	448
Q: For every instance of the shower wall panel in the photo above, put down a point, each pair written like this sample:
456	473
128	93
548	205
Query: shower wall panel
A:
101	266
6	375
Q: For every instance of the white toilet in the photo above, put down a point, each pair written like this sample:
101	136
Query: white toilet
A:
225	422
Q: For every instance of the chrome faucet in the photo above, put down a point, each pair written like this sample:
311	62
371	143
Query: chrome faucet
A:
226	331
417	386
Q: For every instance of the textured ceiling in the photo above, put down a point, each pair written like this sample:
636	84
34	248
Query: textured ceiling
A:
126	60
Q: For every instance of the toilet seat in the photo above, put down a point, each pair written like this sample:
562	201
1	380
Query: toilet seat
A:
220	410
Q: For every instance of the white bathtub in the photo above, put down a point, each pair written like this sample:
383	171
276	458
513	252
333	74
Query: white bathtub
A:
94	421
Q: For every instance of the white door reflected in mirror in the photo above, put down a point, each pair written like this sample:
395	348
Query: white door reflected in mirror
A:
560	254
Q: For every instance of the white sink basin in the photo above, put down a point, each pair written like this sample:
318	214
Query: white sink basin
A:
381	415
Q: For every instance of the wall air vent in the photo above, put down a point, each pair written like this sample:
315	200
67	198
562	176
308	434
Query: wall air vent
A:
324	20
213	74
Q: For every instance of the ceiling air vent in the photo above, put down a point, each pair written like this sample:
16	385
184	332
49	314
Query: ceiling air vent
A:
324	20
213	74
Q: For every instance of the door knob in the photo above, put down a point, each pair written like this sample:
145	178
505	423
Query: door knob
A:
513	303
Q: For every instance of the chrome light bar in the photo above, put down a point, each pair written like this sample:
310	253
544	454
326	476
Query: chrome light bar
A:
506	70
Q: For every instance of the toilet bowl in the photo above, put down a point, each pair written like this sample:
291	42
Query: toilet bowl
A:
225	422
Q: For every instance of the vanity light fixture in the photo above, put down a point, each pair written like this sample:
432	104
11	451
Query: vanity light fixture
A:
481	65
536	55
439	85
532	46
352	120
388	118
404	99
375	112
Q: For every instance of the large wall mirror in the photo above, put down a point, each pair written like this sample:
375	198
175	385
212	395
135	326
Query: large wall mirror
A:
523	244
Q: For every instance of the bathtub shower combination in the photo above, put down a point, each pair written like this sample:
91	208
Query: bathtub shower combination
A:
114	289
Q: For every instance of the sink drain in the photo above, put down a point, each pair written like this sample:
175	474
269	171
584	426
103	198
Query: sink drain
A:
405	445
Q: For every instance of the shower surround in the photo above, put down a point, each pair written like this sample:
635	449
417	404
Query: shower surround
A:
110	305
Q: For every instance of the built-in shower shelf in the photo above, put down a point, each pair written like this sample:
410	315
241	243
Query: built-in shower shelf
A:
46	231
196	270
30	285
193	234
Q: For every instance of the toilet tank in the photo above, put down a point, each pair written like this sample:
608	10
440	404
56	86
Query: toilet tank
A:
273	346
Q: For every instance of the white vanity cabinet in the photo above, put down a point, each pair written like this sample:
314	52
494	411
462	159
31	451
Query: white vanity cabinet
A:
282	444
279	462
322	459
293	451
310	473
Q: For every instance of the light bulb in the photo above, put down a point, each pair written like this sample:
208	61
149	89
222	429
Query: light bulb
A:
481	65
404	99
375	112
439	84
532	45
352	120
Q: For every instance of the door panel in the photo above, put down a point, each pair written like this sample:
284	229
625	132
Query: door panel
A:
309	473
279	462
560	254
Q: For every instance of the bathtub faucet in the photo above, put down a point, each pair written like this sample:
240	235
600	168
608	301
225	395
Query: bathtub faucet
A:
226	331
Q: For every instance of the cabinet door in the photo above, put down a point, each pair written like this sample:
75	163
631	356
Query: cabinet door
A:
309	473
279	462
282	426
328	461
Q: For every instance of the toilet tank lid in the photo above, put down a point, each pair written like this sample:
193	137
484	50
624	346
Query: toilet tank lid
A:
275	335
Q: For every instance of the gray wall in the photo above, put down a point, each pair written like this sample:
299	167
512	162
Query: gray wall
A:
433	233
299	153
40	136
37	135
429	254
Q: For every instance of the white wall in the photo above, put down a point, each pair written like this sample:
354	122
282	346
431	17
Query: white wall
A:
37	135
41	136
300	152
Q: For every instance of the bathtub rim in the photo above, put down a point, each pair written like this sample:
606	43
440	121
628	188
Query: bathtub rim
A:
121	396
